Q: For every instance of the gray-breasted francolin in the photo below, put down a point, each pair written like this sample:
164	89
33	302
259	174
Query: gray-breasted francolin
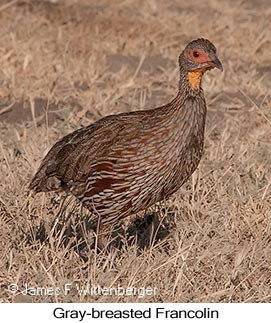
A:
125	163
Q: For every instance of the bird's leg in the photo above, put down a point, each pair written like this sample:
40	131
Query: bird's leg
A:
99	241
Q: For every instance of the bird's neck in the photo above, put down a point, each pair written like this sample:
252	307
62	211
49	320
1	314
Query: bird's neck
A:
190	81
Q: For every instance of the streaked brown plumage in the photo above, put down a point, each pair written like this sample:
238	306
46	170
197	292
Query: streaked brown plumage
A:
124	163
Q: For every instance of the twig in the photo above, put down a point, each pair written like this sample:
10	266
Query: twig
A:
6	109
7	5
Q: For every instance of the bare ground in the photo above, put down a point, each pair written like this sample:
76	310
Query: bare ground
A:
65	64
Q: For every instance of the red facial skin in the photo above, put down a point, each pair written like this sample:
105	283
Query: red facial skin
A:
202	58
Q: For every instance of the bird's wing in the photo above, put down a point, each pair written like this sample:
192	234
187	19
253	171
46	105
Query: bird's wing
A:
73	159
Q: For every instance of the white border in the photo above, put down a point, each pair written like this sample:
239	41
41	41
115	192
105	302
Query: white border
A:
228	313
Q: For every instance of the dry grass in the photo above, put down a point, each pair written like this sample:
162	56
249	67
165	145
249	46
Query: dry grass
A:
111	56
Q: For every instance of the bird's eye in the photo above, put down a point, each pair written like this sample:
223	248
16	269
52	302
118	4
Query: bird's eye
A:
195	53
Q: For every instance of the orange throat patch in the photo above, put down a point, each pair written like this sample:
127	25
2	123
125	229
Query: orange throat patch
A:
194	78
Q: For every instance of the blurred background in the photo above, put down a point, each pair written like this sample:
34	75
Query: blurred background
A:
67	63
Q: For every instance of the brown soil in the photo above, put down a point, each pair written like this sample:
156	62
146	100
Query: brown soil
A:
80	60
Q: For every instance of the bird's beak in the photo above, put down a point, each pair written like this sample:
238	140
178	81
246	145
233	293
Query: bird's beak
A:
216	63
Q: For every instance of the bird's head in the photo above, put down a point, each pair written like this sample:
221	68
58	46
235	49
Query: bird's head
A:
198	57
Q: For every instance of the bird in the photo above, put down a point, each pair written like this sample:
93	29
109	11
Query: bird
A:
123	164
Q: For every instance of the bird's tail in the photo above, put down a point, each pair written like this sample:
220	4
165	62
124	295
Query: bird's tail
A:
44	183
